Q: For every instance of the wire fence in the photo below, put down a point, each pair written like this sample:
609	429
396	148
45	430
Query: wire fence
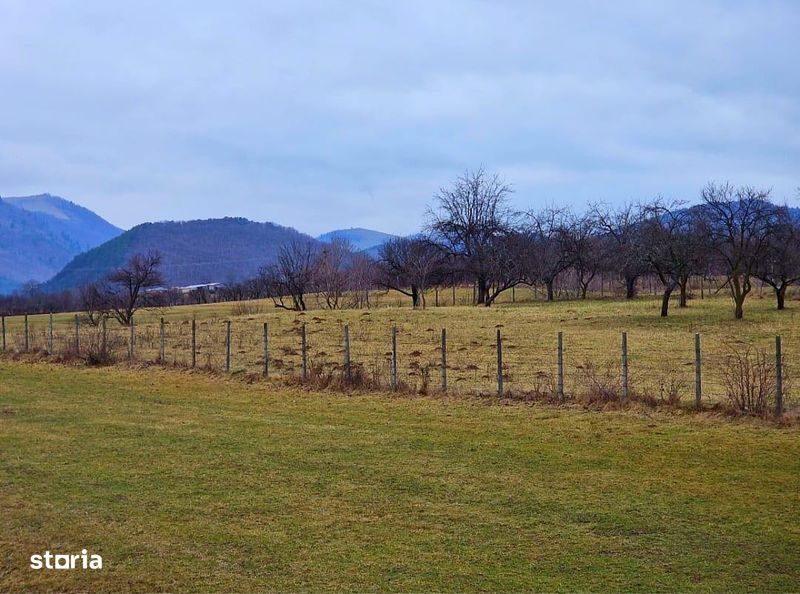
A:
502	360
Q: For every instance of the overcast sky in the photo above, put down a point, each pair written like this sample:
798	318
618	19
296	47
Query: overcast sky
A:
323	115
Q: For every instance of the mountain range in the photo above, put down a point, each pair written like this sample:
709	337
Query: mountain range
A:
40	234
59	245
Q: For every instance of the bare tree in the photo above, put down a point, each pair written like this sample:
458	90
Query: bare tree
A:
585	250
409	265
94	301
132	287
471	219
199	295
331	271
780	265
622	227
548	232
292	275
363	275
672	246
507	259
737	223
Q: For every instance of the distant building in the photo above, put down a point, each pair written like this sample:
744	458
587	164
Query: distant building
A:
210	287
158	289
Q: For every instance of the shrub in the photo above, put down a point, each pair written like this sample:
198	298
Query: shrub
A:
603	384
670	388
96	350
749	378
247	308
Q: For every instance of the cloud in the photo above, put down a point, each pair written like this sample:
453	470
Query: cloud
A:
320	115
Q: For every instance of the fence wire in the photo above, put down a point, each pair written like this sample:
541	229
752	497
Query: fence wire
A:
662	367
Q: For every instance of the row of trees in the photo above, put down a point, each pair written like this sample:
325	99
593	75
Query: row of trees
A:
473	235
337	274
135	285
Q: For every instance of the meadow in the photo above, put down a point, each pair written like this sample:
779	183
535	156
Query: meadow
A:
187	481
660	350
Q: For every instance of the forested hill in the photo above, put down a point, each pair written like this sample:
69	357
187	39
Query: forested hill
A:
194	252
40	234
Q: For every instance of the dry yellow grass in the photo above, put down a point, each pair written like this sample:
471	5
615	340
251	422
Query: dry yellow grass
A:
661	351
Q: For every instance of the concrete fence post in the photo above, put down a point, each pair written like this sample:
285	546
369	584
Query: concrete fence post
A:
499	364
625	366
348	372
131	340
304	350
194	343
27	335
162	341
778	377
266	350
561	366
77	335
698	372
228	346
50	334
394	358
444	359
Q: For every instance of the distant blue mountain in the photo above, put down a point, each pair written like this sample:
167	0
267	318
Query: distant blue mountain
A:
40	234
360	239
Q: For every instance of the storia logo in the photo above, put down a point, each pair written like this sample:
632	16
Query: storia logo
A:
51	561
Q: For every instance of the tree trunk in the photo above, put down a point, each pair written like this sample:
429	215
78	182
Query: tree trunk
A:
550	293
414	296
738	292
665	301
630	287
684	296
483	292
780	294
584	288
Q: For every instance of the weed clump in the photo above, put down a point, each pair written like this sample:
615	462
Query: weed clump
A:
749	376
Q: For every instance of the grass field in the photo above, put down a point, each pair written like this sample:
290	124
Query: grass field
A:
661	351
184	481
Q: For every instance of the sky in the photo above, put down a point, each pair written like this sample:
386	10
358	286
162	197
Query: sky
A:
326	115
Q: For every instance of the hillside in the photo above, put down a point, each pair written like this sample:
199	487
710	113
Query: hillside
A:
40	234
359	238
194	252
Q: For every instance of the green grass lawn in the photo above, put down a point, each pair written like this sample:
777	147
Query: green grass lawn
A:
185	481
